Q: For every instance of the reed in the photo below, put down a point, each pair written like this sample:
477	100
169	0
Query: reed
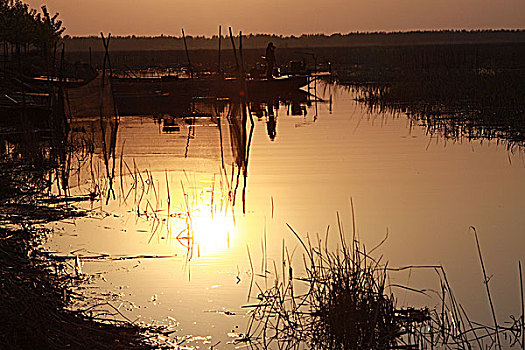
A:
37	290
342	301
459	92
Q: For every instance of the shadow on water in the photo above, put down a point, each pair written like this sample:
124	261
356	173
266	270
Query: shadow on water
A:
37	161
461	93
347	287
223	123
454	120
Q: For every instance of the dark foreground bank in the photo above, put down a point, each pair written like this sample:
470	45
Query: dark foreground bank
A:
35	291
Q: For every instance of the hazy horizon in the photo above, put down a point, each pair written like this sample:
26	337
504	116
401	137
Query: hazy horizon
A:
293	17
225	33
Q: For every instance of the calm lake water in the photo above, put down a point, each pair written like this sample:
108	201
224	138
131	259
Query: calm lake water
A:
177	199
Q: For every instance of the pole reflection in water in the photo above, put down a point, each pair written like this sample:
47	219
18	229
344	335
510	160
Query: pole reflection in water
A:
183	207
193	211
203	230
166	195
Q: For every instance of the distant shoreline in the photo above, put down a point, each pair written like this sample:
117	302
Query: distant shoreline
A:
257	41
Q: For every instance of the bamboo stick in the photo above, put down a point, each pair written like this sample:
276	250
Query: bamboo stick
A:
187	53
219	68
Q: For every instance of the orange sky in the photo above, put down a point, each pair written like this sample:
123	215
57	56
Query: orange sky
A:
202	17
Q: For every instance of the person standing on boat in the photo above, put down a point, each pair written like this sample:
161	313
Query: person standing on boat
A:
270	60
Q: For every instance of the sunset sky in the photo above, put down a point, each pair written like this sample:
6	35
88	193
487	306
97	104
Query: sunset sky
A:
202	17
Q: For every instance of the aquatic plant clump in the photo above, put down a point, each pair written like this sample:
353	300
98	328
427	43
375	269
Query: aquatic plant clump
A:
340	303
349	307
465	92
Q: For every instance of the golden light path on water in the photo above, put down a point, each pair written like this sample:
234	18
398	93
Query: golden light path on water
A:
192	211
203	230
424	190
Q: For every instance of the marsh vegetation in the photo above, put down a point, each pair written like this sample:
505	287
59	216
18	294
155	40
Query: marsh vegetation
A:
339	297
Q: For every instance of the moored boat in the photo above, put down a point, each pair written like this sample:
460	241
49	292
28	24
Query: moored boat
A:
135	96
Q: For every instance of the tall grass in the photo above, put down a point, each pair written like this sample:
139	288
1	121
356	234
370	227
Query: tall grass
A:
343	300
459	92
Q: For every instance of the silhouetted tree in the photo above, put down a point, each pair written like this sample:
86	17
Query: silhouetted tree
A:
22	27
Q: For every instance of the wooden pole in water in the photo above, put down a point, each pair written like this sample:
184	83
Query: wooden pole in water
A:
241	57
219	68
187	53
244	87
58	111
103	81
61	69
244	107
106	56
105	42
234	51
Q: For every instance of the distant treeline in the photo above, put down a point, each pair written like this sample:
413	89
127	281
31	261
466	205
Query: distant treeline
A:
254	41
364	58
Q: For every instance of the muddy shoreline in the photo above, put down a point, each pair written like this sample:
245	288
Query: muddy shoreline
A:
36	290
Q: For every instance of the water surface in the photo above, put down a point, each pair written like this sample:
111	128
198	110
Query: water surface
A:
422	190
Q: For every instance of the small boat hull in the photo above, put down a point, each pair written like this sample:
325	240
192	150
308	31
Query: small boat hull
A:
139	96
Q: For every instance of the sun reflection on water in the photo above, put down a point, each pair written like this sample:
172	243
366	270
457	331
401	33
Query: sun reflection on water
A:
205	225
210	232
